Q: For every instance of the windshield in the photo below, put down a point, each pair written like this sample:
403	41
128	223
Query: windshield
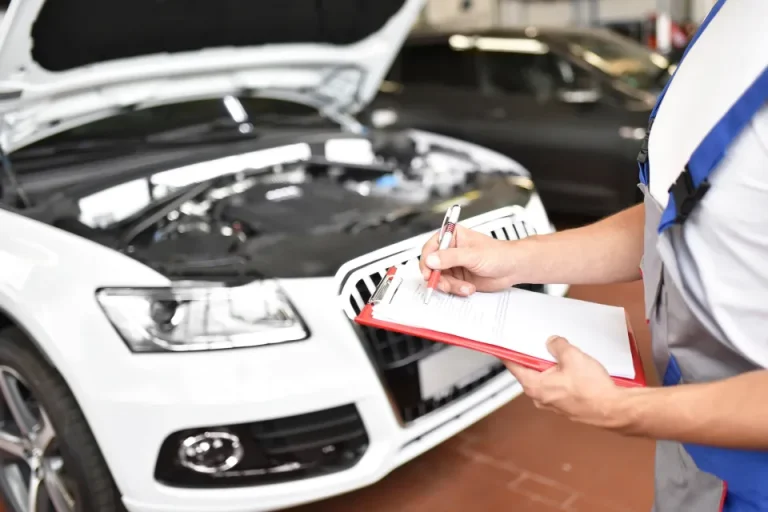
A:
620	58
217	120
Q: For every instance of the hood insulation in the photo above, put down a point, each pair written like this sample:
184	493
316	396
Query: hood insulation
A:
72	33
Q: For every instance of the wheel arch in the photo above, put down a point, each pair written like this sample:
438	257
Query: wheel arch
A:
16	332
9	321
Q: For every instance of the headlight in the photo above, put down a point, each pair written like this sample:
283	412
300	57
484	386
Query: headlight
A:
201	316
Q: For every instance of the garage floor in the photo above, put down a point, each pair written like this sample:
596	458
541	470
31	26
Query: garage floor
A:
522	459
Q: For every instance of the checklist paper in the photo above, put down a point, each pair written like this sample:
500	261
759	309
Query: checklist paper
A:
514	319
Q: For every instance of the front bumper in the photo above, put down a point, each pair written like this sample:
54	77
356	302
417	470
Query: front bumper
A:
390	446
154	395
165	394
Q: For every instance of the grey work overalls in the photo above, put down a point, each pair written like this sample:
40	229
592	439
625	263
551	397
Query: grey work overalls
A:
693	478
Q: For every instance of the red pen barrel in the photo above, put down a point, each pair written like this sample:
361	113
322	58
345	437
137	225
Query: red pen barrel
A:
434	278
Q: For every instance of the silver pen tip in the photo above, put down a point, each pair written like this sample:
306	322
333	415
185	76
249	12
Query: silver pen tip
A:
429	296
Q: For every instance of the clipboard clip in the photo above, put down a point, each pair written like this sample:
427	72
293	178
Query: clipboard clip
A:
386	289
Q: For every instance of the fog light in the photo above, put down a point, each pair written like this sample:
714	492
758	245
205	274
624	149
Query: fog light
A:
210	452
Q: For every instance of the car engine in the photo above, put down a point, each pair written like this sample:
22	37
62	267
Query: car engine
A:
312	209
215	220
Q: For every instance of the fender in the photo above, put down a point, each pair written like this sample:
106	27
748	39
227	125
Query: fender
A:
48	280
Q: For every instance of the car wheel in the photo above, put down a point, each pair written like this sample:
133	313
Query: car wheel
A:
49	460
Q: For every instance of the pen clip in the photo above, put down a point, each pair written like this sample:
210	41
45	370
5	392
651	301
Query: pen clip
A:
445	222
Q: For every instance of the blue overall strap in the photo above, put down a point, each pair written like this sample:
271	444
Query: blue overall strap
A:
642	158
745	471
692	183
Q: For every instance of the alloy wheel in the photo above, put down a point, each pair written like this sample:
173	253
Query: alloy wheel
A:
32	473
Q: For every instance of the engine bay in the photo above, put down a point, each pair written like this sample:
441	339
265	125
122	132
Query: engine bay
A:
305	212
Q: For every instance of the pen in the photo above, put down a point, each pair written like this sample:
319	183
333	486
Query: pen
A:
443	242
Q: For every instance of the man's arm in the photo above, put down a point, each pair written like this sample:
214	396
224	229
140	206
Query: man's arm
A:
731	413
607	251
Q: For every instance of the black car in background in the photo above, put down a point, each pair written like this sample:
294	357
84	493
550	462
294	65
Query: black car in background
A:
571	105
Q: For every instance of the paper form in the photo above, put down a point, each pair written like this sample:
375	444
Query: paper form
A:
515	319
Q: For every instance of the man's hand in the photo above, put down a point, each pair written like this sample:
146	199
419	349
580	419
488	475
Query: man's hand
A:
474	262
730	413
577	387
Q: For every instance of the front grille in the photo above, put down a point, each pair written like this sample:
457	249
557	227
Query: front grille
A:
277	450
404	387
396	355
313	439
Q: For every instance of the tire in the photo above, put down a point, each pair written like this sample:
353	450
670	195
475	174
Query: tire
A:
87	473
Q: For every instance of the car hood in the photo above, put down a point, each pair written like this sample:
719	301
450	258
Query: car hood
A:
61	60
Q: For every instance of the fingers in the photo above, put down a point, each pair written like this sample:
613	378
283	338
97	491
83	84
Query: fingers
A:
432	246
455	257
527	378
560	349
429	247
451	284
537	385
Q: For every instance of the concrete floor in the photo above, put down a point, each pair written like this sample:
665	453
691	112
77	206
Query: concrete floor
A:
522	459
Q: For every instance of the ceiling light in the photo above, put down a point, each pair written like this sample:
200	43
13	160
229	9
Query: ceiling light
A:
499	44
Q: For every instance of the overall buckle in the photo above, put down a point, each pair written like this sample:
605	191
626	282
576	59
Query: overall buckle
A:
686	195
642	156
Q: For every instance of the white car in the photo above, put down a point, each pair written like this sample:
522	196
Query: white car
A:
190	217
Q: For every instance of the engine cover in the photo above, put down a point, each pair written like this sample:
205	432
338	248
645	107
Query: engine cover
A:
317	205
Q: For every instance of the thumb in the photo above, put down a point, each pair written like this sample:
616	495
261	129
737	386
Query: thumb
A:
450	258
559	348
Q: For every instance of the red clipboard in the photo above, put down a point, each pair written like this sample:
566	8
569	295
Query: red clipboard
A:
365	317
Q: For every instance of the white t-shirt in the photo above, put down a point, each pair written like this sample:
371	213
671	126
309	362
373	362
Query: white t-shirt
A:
727	234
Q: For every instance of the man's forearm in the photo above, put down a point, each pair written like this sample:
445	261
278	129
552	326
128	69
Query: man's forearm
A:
607	251
731	413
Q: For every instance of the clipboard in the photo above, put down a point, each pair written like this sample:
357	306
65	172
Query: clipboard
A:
387	288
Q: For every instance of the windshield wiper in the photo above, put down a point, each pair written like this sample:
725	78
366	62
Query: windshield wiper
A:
228	129
292	120
80	146
98	148
197	131
213	132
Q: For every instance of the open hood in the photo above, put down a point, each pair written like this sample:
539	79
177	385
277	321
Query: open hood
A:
64	60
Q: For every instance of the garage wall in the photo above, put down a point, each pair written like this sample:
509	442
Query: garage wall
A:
565	12
700	8
462	13
484	13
